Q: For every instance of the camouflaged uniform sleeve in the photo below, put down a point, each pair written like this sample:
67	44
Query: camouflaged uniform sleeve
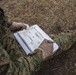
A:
17	63
6	22
21	66
65	40
9	22
26	65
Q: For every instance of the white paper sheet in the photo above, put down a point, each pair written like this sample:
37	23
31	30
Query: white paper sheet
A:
32	38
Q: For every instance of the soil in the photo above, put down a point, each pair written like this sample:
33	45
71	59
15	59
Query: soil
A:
54	17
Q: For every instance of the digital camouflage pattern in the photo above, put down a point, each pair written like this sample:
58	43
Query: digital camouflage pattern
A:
65	40
13	60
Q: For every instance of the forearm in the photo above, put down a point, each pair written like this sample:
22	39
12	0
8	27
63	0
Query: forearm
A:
13	26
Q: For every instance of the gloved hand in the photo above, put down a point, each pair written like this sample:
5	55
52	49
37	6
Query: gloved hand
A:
47	48
18	26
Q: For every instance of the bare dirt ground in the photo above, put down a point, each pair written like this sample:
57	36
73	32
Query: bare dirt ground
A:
53	16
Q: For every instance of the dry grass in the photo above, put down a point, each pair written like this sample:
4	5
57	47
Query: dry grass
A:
53	16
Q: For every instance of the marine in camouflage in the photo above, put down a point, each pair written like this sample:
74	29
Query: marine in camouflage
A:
13	60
